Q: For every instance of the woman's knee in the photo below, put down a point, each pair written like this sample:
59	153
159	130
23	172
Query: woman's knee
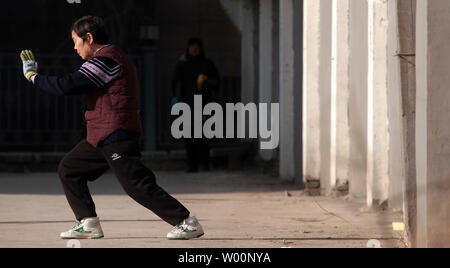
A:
65	164
62	169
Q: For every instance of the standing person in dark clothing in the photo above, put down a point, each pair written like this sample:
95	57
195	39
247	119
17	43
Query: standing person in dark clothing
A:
108	80
195	75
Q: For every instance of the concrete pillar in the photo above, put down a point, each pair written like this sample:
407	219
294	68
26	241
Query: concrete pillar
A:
395	113
320	92
327	99
311	107
276	51
422	57
287	101
358	107
266	60
406	54
341	78
432	127
249	52
243	14
298	90
380	131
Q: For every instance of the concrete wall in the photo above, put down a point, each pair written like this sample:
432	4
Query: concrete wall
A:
346	97
397	139
363	121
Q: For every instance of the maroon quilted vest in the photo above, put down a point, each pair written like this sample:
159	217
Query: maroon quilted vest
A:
117	105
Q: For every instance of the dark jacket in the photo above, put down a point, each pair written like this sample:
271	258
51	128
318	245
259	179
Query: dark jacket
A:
187	70
117	105
109	82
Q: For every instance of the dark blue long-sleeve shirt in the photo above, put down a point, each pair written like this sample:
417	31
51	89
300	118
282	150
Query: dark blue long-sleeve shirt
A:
93	75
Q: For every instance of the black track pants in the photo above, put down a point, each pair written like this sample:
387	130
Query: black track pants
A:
87	163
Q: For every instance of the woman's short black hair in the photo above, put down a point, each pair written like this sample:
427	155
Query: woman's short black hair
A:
195	41
93	25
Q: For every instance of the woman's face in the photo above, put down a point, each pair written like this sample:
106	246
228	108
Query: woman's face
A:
195	50
83	47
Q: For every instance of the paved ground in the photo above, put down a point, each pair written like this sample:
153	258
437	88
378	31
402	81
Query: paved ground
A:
237	210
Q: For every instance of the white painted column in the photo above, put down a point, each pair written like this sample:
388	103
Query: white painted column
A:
327	95
380	129
342	55
266	61
377	120
333	97
311	106
287	116
320	92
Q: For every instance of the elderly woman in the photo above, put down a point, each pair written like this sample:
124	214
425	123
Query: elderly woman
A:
109	82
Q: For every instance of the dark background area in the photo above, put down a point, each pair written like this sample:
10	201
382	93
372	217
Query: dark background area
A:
44	25
34	121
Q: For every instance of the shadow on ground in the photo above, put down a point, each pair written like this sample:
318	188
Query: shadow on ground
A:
173	182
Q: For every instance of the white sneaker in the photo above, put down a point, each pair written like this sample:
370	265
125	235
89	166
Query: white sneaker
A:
188	229
88	228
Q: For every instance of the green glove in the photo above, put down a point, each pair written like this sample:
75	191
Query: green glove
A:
30	65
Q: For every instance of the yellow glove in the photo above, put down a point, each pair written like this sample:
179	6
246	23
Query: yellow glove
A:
30	65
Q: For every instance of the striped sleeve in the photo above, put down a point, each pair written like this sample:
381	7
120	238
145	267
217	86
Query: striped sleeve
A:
101	70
